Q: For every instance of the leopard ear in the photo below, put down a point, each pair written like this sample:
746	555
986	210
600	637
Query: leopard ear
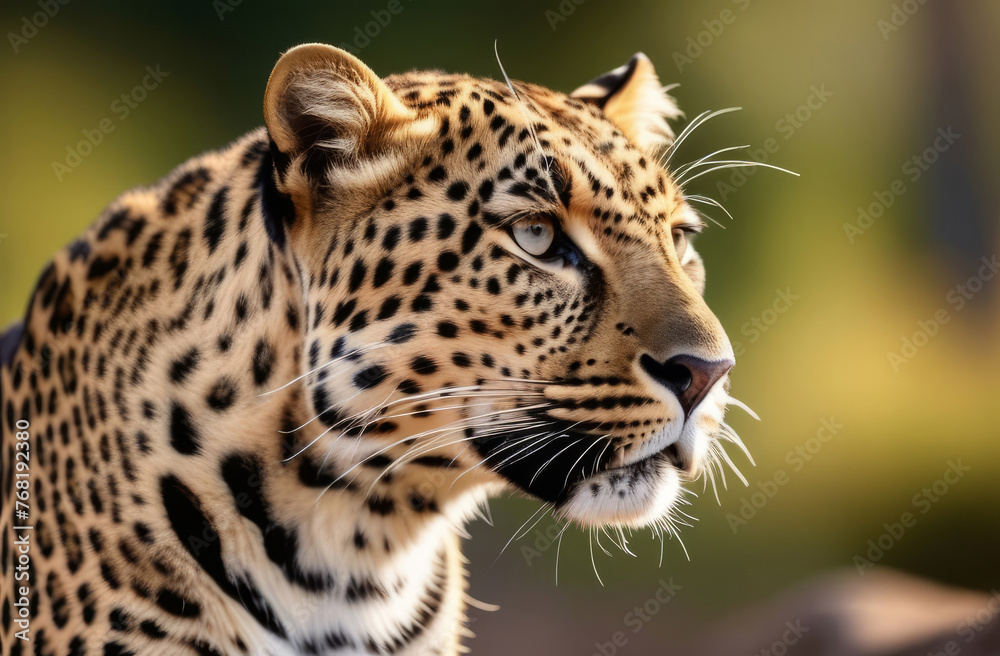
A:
633	99
320	97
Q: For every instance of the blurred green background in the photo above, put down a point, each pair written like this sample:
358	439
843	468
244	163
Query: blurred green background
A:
867	85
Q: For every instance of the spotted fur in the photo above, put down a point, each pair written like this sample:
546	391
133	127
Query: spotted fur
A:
265	393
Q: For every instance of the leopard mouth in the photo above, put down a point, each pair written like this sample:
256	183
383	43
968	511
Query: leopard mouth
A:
670	453
552	467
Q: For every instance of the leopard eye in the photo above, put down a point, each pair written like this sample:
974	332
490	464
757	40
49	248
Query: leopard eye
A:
681	239
535	234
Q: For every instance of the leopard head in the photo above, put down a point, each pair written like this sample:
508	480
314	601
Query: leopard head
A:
498	278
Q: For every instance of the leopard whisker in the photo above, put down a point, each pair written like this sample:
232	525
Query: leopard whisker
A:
339	359
541	509
593	563
522	106
735	164
549	461
729	461
742	406
573	466
727	433
681	170
705	200
697	122
529	440
434	445
407	438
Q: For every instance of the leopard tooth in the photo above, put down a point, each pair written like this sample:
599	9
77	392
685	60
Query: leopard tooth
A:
618	460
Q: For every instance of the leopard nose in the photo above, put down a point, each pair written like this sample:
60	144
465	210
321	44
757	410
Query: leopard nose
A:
688	377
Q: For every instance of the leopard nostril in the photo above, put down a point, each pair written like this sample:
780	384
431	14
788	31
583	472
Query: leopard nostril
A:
674	375
688	377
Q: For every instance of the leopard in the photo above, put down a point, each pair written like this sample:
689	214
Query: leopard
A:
251	409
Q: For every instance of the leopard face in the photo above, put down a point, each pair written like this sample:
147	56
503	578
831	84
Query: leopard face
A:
499	278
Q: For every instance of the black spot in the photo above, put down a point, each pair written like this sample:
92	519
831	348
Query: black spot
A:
263	361
486	190
447	329
418	228
380	506
445	226
343	311
434	461
365	588
179	257
183	434
391	238
409	386
461	360
357	276
383	271
422	303
143	532
277	208
222	395
151	629
327	413
458	190
110	576
79	250
359	321
182	367
402	333
115	648
389	308
447	261
101	267
215	220
119	620
471	236
423	365
185	192
370	377
177	605
412	273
